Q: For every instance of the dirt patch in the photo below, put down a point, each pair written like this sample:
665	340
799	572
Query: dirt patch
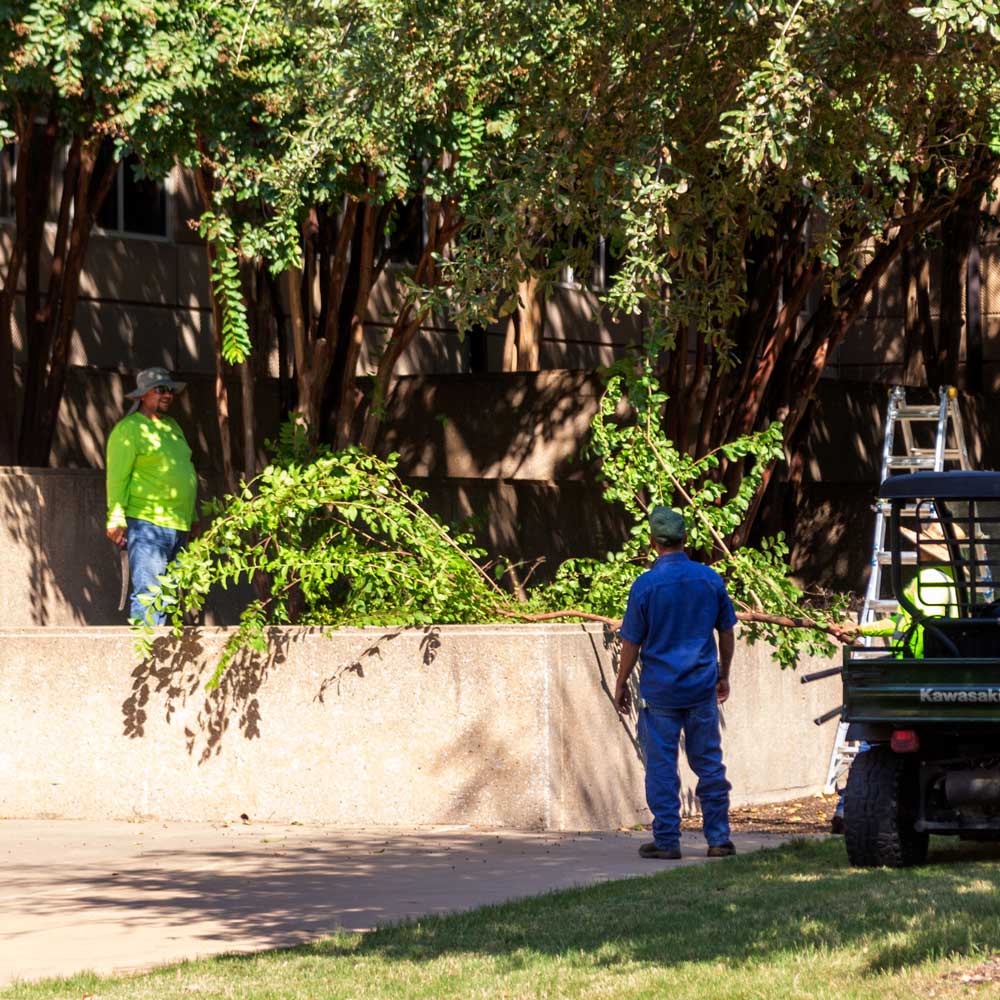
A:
985	972
797	816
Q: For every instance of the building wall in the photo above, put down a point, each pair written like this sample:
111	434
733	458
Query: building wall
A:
498	452
873	350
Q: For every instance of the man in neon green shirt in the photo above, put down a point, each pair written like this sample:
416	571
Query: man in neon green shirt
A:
932	593
151	486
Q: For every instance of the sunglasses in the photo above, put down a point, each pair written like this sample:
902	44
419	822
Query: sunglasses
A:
163	390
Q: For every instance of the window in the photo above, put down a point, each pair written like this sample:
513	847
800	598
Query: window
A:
134	206
7	159
406	232
598	277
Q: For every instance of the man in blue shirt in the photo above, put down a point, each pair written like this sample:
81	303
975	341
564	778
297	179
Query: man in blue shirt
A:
674	610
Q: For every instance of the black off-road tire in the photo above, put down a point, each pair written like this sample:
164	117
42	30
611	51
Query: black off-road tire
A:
880	809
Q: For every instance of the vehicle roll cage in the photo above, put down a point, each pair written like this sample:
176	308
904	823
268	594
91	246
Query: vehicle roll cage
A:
964	508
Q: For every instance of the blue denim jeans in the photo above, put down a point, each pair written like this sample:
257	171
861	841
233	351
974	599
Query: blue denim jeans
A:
150	549
660	731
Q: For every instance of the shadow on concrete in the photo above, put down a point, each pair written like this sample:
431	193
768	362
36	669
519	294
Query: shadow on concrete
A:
178	673
274	887
280	890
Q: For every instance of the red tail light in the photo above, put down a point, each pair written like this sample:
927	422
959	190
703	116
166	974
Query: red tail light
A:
904	741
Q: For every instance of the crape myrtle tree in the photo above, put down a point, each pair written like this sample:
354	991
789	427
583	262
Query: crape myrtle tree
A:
441	100
78	79
370	125
757	168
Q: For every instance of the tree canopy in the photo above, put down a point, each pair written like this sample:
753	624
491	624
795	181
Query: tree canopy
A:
755	168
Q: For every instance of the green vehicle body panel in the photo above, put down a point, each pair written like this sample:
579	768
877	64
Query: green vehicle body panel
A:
916	692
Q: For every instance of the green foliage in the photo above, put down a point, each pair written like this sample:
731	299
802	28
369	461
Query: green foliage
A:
227	286
681	132
126	70
956	17
339	539
642	469
678	132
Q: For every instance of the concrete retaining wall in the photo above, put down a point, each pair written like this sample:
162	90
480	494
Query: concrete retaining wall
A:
488	726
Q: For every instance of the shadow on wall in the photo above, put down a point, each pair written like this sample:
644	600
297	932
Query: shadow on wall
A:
56	565
178	672
520	426
180	668
831	512
429	646
567	776
534	525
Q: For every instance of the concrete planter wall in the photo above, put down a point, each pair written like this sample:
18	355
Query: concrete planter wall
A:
487	726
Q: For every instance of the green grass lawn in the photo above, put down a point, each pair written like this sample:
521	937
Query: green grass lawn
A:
791	923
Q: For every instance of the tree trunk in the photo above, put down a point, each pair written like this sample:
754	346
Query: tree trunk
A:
85	207
918	330
54	319
221	390
973	304
249	417
203	181
38	313
954	251
8	394
348	394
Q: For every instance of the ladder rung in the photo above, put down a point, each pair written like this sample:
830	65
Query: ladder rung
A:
907	510
906	558
952	453
918	412
905	462
886	604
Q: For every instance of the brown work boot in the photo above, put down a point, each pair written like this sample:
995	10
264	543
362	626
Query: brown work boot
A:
721	850
650	850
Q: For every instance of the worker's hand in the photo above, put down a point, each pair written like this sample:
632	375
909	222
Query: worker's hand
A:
722	689
117	535
845	634
623	697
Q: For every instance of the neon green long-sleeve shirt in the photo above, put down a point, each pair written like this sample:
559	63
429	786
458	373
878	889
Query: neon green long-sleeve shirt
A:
149	473
931	591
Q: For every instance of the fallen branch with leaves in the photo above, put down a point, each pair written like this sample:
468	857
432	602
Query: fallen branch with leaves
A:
842	633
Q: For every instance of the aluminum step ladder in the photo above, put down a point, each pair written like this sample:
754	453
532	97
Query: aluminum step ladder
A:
949	450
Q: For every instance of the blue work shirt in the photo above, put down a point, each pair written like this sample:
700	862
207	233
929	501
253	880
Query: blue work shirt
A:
674	610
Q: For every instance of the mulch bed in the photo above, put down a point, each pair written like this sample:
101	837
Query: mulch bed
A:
797	816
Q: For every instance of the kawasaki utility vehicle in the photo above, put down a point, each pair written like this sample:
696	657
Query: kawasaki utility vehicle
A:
927	699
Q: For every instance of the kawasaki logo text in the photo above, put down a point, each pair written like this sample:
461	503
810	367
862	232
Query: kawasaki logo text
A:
977	695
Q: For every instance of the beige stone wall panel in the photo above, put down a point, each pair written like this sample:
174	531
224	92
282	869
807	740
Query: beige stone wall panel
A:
481	725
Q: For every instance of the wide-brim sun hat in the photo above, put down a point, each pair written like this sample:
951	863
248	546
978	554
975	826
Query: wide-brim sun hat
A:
933	544
150	378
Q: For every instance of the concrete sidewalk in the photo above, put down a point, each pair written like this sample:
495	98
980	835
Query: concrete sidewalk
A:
113	896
